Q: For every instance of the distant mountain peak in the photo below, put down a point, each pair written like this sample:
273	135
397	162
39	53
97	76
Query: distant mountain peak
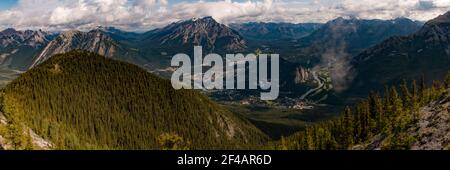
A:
69	33
107	29
94	41
353	19
346	18
402	19
208	18
441	19
206	31
8	31
267	31
204	19
13	37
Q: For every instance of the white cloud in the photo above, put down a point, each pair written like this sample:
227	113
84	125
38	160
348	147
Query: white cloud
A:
223	11
387	9
140	15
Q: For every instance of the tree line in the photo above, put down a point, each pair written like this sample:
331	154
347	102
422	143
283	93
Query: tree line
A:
387	116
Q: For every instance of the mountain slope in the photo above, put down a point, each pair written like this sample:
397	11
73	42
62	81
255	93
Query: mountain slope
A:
94	41
408	117
430	132
270	31
349	37
80	100
425	53
182	36
120	35
17	48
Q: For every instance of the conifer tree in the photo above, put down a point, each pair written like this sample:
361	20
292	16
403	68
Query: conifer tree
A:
310	143
415	101
348	129
15	133
283	144
422	83
28	141
406	95
447	80
378	112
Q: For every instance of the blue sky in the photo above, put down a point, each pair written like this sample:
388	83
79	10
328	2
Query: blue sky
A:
6	4
141	15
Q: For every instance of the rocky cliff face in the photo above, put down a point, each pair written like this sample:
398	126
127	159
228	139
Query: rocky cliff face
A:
206	32
38	141
430	132
17	48
433	129
95	41
12	37
303	75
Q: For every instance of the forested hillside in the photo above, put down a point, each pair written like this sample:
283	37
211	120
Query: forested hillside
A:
391	121
81	100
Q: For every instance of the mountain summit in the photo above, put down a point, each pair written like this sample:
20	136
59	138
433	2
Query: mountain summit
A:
206	32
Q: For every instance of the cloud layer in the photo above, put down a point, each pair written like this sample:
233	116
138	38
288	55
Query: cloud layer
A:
141	15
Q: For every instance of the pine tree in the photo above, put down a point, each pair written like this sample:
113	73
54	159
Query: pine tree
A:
422	83
378	113
415	101
172	142
310	143
398	110
406	95
348	129
423	91
15	133
283	144
28	141
387	103
447	80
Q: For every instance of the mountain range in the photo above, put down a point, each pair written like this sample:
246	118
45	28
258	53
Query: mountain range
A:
344	37
262	31
426	53
147	48
309	50
18	48
113	96
212	35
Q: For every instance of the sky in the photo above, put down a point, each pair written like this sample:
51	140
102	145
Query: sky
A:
6	4
142	15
